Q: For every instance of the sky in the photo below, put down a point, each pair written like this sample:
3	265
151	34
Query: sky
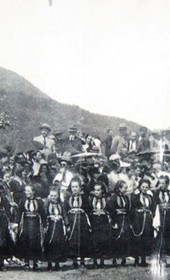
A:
107	56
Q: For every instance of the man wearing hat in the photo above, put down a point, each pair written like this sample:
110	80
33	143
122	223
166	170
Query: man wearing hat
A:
64	175
59	142
120	142
73	143
44	142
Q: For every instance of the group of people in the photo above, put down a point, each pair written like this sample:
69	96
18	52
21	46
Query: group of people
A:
72	199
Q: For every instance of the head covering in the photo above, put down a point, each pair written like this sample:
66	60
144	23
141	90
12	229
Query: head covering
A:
82	163
45	125
95	149
122	126
156	166
94	169
58	132
114	157
3	152
66	157
72	129
124	164
143	128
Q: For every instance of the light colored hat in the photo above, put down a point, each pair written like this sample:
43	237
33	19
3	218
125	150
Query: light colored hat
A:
66	157
122	125
124	164
114	157
45	125
157	166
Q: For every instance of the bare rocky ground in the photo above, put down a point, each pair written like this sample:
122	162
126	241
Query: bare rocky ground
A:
15	272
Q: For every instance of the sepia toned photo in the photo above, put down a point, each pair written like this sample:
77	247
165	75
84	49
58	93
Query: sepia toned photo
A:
84	139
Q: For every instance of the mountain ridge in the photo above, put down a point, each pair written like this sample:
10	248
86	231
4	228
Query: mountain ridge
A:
27	107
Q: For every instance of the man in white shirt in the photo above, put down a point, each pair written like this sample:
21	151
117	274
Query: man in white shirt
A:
64	176
133	142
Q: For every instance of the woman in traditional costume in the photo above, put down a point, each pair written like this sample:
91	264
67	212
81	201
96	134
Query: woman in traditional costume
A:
141	218
31	228
6	243
79	235
55	239
119	211
161	221
101	225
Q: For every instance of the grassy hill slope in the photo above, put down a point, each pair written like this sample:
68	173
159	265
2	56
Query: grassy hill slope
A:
27	107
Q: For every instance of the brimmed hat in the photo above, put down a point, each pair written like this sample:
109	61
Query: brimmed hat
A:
114	157
95	149
122	126
66	157
124	164
45	125
72	129
58	132
83	163
156	166
94	169
3	152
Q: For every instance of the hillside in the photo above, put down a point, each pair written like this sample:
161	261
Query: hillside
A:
27	107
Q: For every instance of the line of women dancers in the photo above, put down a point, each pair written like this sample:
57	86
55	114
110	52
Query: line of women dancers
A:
69	224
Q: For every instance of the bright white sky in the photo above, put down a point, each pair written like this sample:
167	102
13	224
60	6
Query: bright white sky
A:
108	56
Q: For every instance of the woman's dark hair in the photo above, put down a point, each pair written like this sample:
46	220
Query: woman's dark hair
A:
16	171
104	182
41	167
103	188
119	185
74	179
164	177
144	181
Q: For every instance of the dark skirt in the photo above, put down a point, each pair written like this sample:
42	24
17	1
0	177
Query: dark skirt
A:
102	238
121	237
6	243
79	239
142	234
30	240
55	241
162	242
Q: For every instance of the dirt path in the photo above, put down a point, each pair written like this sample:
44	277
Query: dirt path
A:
68	273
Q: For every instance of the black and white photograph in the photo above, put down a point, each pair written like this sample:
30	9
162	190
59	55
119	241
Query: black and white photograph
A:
85	139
